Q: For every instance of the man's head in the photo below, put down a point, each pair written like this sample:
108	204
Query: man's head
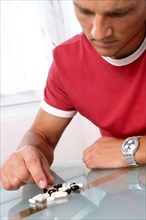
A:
115	28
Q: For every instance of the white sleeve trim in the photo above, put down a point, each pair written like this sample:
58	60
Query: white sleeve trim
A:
57	112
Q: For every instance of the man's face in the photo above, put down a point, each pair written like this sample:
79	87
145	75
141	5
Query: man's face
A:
115	28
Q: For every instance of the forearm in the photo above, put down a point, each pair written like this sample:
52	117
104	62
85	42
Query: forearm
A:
140	155
32	138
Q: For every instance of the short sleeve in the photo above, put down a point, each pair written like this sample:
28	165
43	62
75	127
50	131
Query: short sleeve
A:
56	101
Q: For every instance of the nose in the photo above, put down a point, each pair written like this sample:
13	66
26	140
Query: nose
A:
100	28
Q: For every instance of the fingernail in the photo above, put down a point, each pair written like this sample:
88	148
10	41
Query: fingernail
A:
42	184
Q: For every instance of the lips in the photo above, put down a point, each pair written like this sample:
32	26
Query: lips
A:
103	44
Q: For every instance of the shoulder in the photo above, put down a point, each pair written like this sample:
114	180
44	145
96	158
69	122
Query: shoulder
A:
72	46
74	53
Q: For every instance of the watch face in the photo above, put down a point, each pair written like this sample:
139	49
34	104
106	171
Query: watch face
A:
130	145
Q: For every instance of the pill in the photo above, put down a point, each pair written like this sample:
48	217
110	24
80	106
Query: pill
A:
45	190
80	185
51	191
59	185
75	187
59	194
32	201
68	191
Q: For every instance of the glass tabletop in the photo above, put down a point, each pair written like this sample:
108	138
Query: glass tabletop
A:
107	194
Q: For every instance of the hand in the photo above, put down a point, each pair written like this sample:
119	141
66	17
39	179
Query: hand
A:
104	153
27	165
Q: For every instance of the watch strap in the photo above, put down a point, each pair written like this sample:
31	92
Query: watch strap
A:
130	160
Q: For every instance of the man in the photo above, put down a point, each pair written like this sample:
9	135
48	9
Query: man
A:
101	74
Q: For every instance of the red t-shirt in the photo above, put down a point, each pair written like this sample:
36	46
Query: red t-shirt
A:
110	93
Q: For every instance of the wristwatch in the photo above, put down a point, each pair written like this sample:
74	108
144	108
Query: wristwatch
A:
129	148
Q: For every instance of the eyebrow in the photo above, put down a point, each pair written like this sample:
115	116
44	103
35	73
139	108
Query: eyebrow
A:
82	8
125	9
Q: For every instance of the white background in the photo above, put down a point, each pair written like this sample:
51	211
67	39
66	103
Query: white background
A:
28	29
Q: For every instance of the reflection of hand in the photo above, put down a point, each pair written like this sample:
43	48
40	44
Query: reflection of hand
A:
104	153
116	180
109	180
27	165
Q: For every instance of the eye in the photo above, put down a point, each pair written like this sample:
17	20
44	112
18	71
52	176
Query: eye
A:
85	11
118	14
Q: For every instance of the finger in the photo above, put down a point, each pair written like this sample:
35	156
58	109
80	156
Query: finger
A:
86	151
88	163
9	180
33	164
89	149
87	156
5	180
47	171
20	170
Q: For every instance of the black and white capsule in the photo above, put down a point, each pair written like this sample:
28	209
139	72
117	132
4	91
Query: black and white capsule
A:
51	191
75	187
68	191
59	185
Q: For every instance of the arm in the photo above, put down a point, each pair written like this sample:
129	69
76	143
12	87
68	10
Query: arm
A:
31	162
106	153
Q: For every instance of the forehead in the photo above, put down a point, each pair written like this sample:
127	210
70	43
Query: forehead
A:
107	5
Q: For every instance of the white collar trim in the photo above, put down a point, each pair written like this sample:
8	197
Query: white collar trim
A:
129	59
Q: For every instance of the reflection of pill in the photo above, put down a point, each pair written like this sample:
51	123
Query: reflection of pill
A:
49	199
59	194
61	200
40	197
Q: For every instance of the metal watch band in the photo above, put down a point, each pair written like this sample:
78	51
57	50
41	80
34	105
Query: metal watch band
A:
130	160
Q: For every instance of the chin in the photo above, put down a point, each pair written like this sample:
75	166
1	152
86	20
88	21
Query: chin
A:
107	52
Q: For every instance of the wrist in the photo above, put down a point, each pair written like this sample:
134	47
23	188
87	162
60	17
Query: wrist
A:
140	155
